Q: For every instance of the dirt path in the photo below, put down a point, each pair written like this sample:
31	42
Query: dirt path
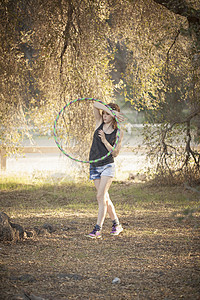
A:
156	257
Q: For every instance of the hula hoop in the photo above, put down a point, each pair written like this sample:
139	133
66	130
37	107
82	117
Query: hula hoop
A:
86	161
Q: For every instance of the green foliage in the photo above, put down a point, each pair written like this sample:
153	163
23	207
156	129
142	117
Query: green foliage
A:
143	52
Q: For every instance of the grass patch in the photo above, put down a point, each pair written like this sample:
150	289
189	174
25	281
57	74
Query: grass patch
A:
20	194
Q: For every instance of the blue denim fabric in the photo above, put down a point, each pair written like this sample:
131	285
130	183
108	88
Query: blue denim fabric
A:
106	170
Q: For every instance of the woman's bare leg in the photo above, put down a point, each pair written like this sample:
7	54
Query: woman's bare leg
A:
102	185
110	208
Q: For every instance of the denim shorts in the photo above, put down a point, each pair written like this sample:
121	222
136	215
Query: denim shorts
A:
97	172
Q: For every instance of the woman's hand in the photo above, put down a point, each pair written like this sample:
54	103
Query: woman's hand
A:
102	136
119	115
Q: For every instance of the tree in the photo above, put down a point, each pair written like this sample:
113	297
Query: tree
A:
14	74
56	51
59	69
182	158
163	69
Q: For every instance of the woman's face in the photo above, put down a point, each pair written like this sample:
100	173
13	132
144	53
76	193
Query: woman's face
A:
107	118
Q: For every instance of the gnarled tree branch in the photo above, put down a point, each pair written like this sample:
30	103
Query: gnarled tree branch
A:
181	7
66	33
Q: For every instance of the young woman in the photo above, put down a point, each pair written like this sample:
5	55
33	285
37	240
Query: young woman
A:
103	171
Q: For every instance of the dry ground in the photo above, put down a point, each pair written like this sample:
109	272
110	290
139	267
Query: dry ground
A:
156	257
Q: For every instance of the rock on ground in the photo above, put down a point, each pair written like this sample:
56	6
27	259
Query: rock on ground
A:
8	230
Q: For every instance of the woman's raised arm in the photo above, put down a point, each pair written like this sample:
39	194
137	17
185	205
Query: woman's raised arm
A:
99	106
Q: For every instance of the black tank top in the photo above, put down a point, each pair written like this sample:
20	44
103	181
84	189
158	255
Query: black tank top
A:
98	149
